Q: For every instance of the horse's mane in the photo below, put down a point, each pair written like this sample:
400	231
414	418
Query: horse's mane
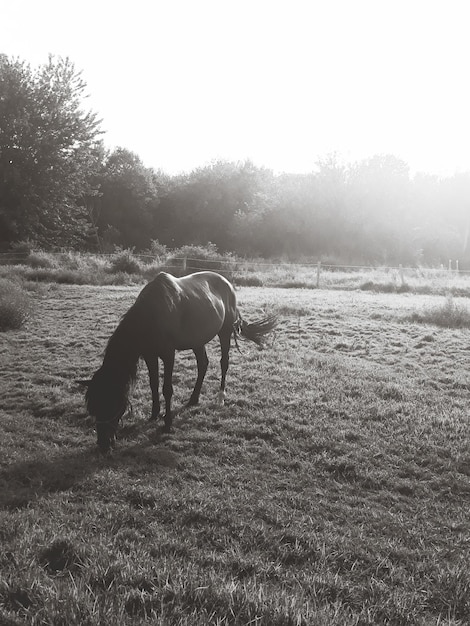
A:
124	347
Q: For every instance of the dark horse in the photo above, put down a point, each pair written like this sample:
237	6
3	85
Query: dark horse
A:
169	314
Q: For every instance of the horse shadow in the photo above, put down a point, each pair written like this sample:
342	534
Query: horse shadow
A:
25	481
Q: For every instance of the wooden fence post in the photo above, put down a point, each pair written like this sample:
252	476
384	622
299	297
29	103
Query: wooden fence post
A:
184	265
450	265
402	278
318	273
457	266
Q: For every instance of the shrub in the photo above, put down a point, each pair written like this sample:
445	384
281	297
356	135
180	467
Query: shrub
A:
124	261
24	246
158	249
200	258
15	305
39	259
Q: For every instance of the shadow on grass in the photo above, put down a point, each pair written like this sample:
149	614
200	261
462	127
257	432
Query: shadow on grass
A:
25	481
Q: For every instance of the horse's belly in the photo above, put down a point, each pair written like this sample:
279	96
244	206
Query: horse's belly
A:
196	330
194	340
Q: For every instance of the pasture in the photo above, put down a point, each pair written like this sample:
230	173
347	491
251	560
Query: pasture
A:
333	488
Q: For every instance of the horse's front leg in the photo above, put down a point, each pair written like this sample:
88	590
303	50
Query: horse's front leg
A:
152	366
202	363
168	363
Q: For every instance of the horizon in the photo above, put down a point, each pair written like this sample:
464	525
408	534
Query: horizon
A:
183	85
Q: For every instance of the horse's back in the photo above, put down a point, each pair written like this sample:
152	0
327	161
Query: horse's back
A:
189	311
203	283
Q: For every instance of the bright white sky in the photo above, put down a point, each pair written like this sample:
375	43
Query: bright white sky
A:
283	82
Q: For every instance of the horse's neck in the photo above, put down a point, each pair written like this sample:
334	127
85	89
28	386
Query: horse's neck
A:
122	352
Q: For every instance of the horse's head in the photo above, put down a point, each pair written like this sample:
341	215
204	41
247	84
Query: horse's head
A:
106	401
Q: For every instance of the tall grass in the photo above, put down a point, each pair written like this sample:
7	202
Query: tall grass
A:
125	267
15	305
448	314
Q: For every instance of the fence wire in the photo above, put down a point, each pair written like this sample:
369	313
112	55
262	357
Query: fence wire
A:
234	265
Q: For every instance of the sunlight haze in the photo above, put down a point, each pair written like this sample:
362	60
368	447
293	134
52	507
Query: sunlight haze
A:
182	83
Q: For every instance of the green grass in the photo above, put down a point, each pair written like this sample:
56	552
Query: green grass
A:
332	489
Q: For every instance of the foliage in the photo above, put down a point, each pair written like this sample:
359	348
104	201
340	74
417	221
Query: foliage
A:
201	206
158	249
59	187
189	259
15	305
130	268
127	206
361	213
125	261
49	150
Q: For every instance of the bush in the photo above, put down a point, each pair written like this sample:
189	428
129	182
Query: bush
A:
39	259
15	305
199	258
158	249
124	261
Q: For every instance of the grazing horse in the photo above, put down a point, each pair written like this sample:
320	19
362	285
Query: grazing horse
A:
169	314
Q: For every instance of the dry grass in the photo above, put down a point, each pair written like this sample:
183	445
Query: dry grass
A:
332	489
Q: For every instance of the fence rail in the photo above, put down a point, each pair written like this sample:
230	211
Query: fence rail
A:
236	266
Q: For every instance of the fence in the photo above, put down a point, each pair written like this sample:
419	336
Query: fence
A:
194	264
234	268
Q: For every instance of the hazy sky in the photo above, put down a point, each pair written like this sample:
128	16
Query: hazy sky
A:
182	82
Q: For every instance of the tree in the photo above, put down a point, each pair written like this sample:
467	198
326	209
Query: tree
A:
204	205
49	150
380	208
125	213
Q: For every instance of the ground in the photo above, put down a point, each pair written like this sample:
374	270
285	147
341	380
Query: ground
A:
333	487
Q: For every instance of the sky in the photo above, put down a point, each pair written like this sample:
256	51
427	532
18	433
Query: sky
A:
283	83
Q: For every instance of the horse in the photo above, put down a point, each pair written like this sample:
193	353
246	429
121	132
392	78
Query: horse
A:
169	314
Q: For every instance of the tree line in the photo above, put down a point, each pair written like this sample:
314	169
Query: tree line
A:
61	187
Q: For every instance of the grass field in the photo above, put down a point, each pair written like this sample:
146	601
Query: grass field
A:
332	489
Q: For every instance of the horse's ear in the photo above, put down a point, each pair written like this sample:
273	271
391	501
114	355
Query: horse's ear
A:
83	383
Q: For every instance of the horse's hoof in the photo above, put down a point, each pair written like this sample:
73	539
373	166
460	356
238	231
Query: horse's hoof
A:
221	398
153	418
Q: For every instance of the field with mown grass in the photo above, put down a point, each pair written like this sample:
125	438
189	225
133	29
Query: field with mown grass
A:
333	489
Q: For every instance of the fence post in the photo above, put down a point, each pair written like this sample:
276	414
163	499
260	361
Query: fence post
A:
450	265
318	273
184	265
402	278
457	266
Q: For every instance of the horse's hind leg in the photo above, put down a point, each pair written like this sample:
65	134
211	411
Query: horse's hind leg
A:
225	337
202	363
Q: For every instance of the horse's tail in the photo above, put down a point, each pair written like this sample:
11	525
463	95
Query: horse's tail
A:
256	331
